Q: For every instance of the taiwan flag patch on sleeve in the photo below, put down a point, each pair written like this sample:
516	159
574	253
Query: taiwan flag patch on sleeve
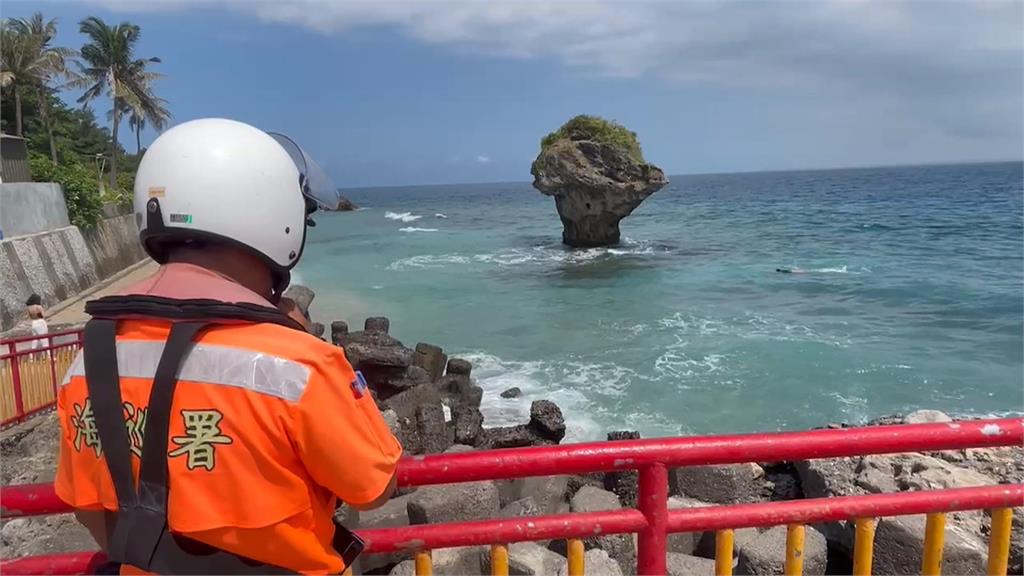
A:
359	385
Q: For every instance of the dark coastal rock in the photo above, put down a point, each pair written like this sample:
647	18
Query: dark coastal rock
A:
546	426
623	484
434	434
405	403
546	493
526	559
724	484
784	480
362	355
431	358
899	541
459	389
597	175
598	563
686	565
339	330
344	205
302	296
468	424
511	437
377	324
766	553
547	421
513	392
412	376
458	366
317	329
619	546
453	503
594	479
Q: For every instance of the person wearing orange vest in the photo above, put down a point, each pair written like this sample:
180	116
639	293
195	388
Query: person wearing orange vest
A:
202	429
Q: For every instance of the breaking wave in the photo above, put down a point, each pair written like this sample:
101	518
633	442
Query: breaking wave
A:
583	390
521	256
415	229
403	216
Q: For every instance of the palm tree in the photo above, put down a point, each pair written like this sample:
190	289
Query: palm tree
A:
146	107
112	69
28	60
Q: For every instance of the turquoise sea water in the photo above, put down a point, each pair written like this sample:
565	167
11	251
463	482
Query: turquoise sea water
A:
913	296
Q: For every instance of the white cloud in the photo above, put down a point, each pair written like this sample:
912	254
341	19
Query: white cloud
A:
933	60
481	159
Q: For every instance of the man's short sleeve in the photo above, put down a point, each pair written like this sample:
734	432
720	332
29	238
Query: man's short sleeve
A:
341	436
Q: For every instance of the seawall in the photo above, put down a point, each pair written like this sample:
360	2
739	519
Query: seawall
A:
31	207
58	264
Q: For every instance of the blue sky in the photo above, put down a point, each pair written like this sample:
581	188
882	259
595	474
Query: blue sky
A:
389	93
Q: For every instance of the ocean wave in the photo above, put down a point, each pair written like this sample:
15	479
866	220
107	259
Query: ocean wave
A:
415	229
687	325
676	363
440	215
573	385
403	216
521	256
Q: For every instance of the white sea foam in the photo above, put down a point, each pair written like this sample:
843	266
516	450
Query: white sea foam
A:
415	229
752	325
403	216
573	385
518	256
439	215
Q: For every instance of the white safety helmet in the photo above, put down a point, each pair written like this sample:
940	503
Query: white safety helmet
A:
222	181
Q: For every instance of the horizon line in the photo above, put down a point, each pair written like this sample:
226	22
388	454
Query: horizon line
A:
735	172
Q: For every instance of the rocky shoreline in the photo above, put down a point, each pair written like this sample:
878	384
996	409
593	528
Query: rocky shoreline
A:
432	405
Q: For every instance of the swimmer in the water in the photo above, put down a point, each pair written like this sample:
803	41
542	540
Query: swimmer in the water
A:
790	270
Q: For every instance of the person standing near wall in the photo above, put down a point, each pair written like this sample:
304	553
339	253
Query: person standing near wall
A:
34	306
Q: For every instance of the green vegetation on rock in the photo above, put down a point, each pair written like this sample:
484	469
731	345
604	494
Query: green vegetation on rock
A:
597	129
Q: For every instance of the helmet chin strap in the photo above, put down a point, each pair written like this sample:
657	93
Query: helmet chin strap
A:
281	282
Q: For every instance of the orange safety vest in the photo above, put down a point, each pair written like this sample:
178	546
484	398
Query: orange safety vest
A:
268	427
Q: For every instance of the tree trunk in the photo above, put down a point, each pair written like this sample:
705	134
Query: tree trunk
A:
138	140
113	146
45	117
17	111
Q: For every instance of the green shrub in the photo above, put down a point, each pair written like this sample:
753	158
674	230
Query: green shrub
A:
598	130
81	189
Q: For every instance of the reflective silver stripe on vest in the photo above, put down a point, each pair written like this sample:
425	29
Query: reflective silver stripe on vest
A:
209	364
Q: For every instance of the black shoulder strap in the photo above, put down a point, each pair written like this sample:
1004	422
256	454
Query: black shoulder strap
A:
104	386
141	536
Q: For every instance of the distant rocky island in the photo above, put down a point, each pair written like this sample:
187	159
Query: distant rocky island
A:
596	171
343	205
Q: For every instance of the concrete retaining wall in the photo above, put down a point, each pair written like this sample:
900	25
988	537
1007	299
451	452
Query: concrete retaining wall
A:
61	263
31	207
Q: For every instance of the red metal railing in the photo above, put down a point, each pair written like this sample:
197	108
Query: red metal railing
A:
30	374
652	519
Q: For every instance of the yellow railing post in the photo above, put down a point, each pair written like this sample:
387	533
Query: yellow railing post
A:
794	550
934	538
723	552
499	560
576	560
424	564
863	546
999	541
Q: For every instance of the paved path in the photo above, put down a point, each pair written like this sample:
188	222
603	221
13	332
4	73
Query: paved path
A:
72	310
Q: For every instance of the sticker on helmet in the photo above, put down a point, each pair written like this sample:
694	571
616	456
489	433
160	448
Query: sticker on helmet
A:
181	218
